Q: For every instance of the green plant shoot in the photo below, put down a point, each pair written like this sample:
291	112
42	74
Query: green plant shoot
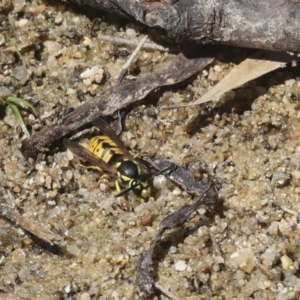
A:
12	103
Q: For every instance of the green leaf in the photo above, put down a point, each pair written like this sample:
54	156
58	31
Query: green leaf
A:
15	100
12	103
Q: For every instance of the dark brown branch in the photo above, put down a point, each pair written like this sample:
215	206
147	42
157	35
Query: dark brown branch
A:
117	97
145	278
270	25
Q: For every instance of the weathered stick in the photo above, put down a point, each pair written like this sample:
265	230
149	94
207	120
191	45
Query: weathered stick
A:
40	232
270	25
115	98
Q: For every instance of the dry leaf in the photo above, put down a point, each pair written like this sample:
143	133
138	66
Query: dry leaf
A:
247	70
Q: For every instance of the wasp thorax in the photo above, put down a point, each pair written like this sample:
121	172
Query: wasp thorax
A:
128	170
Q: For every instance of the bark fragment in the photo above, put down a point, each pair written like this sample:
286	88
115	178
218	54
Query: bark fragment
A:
270	25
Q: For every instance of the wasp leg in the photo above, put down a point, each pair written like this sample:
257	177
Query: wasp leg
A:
118	187
103	176
148	154
93	168
136	155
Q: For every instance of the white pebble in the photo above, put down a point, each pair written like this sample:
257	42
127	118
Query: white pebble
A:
70	155
189	269
286	262
92	74
290	82
22	23
201	211
130	32
103	187
244	259
68	289
58	19
218	68
53	48
71	92
85	296
131	252
69	174
2	42
159	181
176	192
180	265
18	6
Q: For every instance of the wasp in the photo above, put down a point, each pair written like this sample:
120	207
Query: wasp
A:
108	153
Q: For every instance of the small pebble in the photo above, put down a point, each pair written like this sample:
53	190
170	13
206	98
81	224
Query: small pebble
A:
58	18
21	74
286	262
85	296
244	259
4	92
180	265
146	219
69	174
92	74
22	23
130	32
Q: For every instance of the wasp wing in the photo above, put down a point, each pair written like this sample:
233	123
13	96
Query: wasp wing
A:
108	131
87	155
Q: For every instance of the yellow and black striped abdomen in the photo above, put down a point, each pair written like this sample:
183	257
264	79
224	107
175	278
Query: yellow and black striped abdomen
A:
128	171
105	148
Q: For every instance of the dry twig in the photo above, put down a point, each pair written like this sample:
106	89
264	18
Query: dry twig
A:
26	224
176	70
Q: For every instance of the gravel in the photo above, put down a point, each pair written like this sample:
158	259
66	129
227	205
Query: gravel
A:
247	142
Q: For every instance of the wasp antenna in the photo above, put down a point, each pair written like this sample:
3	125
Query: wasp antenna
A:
126	191
169	168
132	187
140	181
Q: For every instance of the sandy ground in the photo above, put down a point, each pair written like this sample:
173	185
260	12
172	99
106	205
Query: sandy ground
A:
247	142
